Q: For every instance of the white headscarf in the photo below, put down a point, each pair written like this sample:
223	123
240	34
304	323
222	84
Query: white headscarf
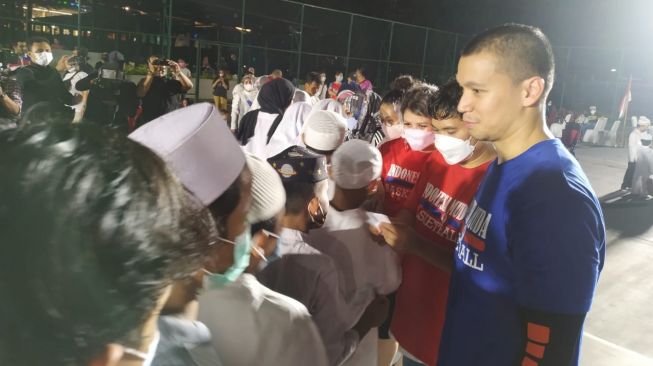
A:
330	105
290	127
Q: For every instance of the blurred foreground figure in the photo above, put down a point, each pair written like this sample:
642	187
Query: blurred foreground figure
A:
98	228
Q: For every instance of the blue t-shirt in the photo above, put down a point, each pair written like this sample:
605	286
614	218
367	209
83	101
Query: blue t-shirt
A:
534	238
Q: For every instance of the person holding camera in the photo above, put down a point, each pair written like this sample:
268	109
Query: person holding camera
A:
220	87
160	89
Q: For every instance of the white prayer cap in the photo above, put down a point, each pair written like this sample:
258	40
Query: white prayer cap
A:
324	131
355	164
268	194
199	148
330	105
643	121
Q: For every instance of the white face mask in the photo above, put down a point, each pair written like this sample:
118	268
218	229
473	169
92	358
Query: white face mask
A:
418	139
454	150
338	78
392	132
43	58
248	87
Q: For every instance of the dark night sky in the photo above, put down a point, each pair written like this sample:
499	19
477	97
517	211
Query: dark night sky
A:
601	23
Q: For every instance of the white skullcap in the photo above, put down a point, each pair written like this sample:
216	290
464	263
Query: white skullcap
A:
330	105
199	148
643	121
324	130
355	164
268	194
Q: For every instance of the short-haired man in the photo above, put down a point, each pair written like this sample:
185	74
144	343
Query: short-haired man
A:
160	90
533	245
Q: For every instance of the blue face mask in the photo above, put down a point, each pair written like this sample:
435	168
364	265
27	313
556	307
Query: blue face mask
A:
242	250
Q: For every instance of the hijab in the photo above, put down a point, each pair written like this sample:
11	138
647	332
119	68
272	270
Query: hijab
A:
274	97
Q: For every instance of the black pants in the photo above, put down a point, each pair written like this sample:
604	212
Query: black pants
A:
628	177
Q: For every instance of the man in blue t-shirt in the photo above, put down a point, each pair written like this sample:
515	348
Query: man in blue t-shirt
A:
527	262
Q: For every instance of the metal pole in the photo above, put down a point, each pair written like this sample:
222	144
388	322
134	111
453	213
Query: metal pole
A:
351	26
616	83
242	41
28	15
79	24
426	42
387	68
299	45
169	31
454	56
219	63
564	83
198	56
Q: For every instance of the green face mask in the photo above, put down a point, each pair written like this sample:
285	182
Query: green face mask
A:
242	250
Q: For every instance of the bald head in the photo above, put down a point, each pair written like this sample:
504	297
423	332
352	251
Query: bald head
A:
521	51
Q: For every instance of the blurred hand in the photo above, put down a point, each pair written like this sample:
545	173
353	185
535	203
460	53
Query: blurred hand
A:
151	67
400	237
62	64
175	67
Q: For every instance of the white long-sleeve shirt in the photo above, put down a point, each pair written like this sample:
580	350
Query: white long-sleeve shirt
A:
643	171
241	103
365	269
311	278
634	143
253	325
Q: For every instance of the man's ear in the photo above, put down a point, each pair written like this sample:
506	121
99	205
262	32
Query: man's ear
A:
313	205
259	240
533	91
373	187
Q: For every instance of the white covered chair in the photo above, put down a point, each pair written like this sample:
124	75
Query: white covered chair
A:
557	128
611	138
595	135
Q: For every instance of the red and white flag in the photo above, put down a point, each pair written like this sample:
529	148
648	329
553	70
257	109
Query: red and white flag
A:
623	108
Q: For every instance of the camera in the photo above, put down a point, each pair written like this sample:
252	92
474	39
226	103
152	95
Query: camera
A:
76	60
161	62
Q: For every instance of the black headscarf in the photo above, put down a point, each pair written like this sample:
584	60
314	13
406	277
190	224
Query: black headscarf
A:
274	97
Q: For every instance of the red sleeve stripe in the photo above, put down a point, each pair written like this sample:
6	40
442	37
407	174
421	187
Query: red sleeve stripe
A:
535	350
528	362
538	333
474	242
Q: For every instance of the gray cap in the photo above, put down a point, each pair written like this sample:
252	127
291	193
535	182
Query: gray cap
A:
199	148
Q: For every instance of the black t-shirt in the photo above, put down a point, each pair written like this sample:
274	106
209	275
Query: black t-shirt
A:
42	84
220	90
161	98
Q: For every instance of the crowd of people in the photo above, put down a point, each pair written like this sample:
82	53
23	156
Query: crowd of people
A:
327	225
